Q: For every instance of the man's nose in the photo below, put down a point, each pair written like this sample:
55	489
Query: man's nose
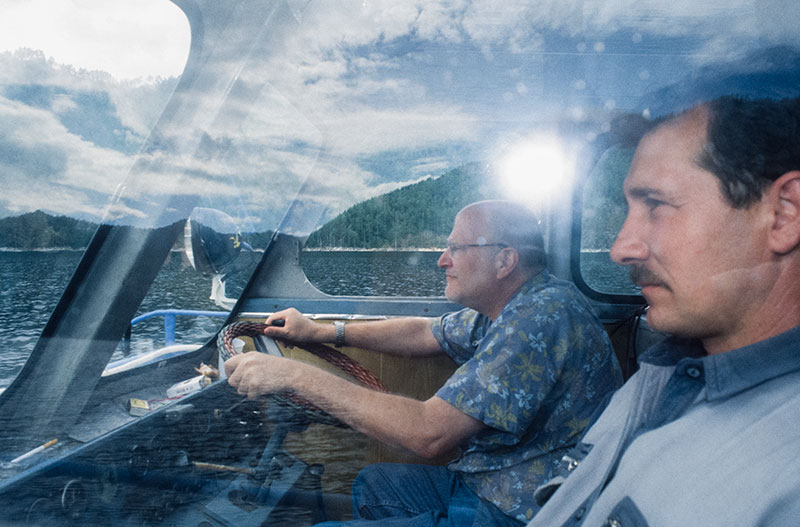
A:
444	260
629	247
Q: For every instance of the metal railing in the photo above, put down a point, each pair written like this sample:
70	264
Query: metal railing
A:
170	315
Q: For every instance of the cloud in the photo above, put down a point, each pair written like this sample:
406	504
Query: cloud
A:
44	166
134	39
357	99
137	103
430	166
70	147
365	131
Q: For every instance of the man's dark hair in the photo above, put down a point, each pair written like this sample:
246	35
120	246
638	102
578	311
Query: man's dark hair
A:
751	143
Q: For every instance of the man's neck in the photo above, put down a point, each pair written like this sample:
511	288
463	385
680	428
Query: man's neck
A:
507	290
778	313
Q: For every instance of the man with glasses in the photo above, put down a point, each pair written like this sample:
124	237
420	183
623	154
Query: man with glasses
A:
535	364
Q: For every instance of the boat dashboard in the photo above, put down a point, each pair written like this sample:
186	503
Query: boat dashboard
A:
209	457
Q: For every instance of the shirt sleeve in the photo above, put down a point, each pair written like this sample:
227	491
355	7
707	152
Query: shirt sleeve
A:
453	332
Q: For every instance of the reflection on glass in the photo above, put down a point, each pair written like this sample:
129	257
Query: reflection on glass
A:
602	216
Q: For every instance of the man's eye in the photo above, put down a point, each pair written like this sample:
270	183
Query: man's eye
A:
652	204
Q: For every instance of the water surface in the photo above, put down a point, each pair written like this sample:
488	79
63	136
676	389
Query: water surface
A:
33	282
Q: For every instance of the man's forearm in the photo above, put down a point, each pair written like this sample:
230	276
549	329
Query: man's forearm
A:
428	428
407	336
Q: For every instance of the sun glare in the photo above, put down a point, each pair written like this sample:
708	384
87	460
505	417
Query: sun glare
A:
535	169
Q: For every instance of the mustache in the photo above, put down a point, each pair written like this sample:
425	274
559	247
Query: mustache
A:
642	276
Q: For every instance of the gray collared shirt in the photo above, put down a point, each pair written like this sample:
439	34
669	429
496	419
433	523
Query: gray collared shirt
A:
693	440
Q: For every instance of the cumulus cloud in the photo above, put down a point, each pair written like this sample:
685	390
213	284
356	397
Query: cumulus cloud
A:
69	171
137	103
44	166
423	86
143	38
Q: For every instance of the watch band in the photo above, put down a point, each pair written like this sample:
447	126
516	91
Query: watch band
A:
339	342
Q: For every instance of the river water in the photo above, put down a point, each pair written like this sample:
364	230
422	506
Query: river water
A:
32	283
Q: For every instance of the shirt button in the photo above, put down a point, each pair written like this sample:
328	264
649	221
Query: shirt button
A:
694	372
579	513
613	522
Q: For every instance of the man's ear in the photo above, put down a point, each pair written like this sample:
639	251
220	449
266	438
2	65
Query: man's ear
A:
784	195
506	261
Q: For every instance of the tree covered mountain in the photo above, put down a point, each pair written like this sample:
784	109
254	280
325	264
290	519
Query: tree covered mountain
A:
39	230
417	215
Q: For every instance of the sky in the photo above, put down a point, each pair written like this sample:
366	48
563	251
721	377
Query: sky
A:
128	39
355	98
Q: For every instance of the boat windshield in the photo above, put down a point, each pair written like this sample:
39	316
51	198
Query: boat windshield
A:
307	119
309	154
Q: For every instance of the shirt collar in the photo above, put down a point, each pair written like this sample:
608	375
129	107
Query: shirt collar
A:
537	281
734	371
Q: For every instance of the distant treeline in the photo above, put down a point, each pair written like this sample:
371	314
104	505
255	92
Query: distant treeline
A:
39	230
418	215
414	216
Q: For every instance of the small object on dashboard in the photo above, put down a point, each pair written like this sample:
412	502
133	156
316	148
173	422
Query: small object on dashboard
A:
138	407
208	371
35	451
188	386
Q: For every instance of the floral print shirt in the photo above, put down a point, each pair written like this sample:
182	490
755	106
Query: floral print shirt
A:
534	376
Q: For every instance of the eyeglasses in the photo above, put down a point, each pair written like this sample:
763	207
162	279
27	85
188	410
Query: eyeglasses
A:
456	247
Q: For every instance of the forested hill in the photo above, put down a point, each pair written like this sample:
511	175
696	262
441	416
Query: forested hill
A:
415	216
418	215
39	230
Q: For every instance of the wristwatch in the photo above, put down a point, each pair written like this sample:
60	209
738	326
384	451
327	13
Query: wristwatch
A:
339	342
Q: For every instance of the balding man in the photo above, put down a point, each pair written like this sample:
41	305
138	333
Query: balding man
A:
535	363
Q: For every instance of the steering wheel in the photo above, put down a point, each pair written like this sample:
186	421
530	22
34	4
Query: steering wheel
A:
266	344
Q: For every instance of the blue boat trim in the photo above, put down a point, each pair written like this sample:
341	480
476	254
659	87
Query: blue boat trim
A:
170	316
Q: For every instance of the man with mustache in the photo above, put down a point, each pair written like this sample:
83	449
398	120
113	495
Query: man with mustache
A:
706	432
534	365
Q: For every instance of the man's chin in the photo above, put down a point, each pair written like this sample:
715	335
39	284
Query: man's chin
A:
660	320
451	295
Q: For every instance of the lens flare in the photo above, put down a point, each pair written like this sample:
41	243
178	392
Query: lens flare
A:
536	169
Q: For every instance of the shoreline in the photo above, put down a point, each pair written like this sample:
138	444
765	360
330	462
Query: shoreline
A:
379	249
306	249
40	249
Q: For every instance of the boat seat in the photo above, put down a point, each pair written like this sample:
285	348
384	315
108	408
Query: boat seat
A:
631	337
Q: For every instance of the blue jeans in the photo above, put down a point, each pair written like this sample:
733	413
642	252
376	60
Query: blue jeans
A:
397	495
